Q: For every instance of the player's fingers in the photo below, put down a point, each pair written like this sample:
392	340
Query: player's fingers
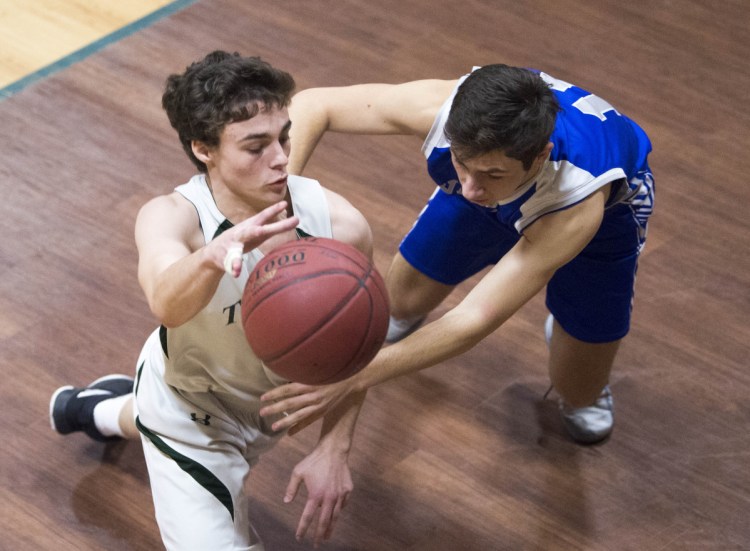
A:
269	212
233	260
345	500
292	488
282	406
308	514
298	417
253	235
292	403
335	517
285	391
325	519
276	227
255	229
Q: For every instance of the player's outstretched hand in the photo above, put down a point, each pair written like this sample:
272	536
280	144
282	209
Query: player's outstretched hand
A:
301	404
326	476
226	250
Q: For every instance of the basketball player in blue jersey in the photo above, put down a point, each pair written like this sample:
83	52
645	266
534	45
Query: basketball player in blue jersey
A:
196	396
545	182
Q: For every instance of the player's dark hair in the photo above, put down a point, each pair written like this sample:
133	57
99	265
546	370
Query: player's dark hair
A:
220	89
502	108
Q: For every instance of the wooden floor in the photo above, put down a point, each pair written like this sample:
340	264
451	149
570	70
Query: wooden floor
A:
463	456
35	35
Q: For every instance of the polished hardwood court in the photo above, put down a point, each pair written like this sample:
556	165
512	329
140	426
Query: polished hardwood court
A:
464	456
35	35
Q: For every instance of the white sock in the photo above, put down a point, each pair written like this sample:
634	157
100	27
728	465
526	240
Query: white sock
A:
107	415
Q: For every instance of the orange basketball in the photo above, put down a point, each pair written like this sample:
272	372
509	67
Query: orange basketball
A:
315	310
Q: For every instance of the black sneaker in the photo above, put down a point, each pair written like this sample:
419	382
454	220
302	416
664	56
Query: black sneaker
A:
71	409
119	385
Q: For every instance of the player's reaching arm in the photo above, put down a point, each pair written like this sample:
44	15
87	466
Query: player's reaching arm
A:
178	272
546	245
408	108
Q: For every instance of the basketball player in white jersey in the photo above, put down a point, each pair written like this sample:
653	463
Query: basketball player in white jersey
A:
196	395
545	182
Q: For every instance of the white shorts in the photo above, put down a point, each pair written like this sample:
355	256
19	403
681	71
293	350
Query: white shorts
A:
199	449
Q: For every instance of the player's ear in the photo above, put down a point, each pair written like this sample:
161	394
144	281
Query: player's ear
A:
201	151
547	150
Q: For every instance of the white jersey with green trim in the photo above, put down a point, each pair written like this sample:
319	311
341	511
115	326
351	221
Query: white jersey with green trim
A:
210	353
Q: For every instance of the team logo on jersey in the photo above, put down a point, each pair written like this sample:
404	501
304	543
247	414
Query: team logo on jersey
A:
201	420
231	310
451	186
642	202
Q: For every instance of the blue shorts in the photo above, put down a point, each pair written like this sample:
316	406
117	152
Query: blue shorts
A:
591	296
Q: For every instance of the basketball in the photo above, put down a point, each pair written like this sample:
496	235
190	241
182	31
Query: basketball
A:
315	310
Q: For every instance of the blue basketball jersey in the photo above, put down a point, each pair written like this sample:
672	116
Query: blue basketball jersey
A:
594	145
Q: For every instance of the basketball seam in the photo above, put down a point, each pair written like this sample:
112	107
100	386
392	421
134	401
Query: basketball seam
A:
333	312
296	280
362	342
365	277
364	339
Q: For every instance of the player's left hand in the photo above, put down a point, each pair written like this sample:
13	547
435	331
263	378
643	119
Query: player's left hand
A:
301	404
326	476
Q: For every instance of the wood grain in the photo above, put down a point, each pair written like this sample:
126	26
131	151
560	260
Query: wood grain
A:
463	456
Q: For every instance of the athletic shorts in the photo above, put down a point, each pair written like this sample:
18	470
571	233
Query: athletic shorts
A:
199	449
591	296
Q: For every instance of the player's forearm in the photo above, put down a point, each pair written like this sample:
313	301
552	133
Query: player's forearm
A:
491	303
183	289
337	431
453	334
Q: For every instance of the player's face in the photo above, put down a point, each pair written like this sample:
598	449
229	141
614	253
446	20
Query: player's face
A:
494	177
252	156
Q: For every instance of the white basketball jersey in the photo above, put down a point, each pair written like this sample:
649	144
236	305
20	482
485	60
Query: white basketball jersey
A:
209	353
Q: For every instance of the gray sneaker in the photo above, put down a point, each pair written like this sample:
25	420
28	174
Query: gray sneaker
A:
590	424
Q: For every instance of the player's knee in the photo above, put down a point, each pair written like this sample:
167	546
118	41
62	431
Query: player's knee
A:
411	293
416	299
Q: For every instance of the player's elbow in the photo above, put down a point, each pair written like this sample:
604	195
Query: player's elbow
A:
309	106
162	316
167	316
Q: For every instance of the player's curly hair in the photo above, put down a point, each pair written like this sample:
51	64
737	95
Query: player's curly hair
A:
505	108
219	89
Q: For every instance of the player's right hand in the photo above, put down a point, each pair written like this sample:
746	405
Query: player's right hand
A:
226	250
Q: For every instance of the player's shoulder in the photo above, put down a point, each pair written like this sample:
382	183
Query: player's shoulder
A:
340	207
348	224
166	201
169	208
434	91
411	107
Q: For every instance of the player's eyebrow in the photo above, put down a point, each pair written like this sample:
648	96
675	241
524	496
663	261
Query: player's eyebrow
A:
494	169
488	170
265	135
